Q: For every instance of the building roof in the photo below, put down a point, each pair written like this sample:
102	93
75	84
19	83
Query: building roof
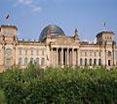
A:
52	30
9	26
104	32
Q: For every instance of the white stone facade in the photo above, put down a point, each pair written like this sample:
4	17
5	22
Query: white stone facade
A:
55	49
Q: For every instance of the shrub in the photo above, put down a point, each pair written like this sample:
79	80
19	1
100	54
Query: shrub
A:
59	86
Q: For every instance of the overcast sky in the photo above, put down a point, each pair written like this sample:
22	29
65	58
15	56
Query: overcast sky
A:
88	16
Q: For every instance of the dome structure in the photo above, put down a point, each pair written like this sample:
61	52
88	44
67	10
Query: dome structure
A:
52	30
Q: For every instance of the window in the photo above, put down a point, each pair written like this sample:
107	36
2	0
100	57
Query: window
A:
109	53
85	53
42	61
81	54
31	51
20	51
43	52
85	62
109	62
90	62
31	60
100	62
37	61
90	53
20	61
95	54
37	52
95	61
99	54
26	51
25	61
81	61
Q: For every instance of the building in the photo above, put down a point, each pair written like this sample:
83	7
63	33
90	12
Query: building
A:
55	49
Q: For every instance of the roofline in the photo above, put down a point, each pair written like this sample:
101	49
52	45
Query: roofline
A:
9	26
104	32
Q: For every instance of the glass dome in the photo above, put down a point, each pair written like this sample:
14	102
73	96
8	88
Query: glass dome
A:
52	30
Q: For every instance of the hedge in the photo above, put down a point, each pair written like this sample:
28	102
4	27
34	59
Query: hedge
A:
59	86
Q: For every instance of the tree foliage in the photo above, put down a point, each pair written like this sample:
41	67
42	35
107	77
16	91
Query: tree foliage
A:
34	85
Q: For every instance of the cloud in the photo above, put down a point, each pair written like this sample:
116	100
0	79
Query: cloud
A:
30	4
26	2
37	9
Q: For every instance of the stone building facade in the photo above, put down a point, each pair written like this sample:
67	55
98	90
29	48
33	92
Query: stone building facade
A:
55	49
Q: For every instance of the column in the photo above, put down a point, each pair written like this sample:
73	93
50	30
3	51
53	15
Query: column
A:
57	56
51	57
61	57
76	57
68	57
73	57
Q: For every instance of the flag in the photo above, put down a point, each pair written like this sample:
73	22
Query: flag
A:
7	17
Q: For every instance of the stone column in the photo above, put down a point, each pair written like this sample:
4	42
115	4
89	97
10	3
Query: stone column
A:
76	57
68	57
51	57
61	57
56	56
73	57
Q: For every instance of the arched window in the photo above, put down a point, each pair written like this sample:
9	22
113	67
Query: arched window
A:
81	61
20	61
31	51
25	61
95	62
37	61
90	62
85	62
8	57
85	53
42	61
26	51
100	62
31	60
109	53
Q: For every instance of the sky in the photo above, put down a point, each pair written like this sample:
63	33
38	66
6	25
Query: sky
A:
88	16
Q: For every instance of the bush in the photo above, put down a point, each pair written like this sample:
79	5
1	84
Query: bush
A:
2	97
59	86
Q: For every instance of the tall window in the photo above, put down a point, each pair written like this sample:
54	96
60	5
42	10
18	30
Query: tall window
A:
20	51
109	62
81	53
25	61
100	54
85	62
42	61
95	54
95	61
90	53
37	61
81	62
31	51
85	53
26	51
109	53
20	61
42	51
100	62
8	57
31	60
37	52
90	62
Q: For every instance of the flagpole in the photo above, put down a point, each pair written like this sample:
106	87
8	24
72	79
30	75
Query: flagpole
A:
104	26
